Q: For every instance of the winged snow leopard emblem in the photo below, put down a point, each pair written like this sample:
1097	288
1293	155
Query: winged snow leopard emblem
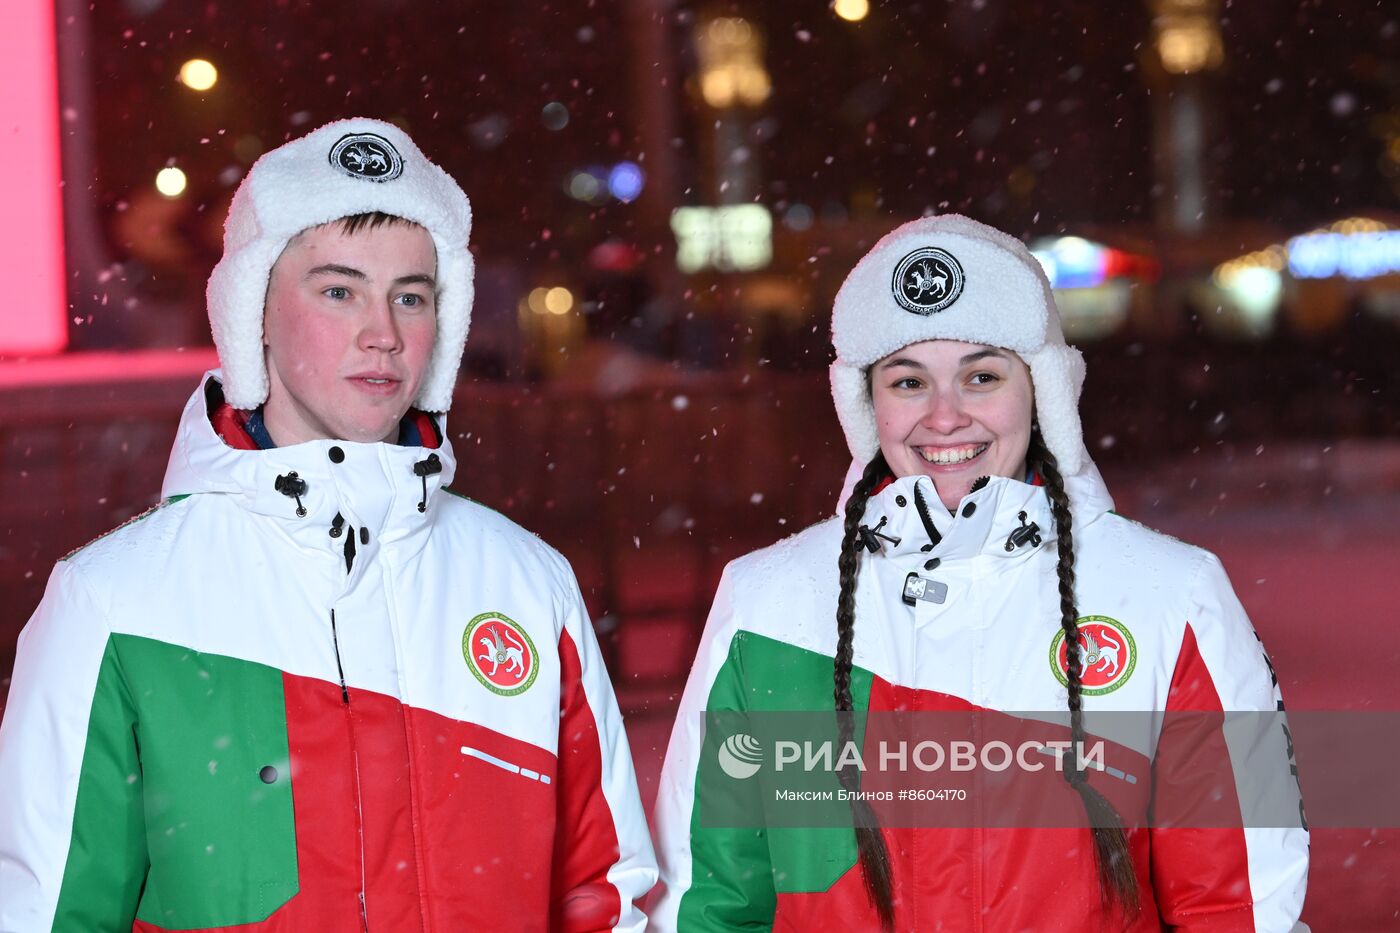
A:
927	280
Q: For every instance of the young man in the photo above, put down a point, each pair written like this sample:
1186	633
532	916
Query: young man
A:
313	689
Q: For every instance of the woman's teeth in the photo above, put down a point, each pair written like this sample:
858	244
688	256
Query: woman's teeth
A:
951	454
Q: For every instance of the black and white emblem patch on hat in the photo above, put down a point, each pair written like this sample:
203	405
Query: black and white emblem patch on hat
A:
927	280
367	156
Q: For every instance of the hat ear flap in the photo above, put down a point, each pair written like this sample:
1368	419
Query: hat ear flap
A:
236	294
854	410
1058	373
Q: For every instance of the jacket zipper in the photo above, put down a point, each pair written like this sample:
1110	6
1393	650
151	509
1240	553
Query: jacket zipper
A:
335	642
350	728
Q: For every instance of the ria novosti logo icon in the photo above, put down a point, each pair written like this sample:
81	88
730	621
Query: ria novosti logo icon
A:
740	756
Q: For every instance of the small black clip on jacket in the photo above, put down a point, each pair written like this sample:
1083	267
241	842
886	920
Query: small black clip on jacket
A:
870	537
423	469
293	487
1026	534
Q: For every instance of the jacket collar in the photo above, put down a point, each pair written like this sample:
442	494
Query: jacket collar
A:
371	486
984	521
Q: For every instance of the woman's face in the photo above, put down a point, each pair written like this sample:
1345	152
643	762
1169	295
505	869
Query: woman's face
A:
953	412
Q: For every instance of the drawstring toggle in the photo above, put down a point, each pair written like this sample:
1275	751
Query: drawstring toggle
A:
1026	534
870	537
293	487
423	469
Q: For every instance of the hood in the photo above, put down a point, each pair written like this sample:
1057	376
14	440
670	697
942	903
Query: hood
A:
995	509
371	486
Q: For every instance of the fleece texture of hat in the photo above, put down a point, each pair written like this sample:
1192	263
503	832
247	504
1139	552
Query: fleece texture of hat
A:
951	278
344	168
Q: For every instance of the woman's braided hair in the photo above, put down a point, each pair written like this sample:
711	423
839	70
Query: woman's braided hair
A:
874	857
1117	879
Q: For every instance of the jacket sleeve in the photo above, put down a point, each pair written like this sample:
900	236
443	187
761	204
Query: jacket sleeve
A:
603	860
72	831
1229	840
712	878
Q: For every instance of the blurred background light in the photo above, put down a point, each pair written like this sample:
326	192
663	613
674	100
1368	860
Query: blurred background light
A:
558	300
1357	255
584	186
171	182
733	238
1187	35
197	74
625	181
853	11
1071	262
798	217
554	116
731	64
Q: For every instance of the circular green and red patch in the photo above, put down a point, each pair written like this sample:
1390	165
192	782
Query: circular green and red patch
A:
500	653
1107	655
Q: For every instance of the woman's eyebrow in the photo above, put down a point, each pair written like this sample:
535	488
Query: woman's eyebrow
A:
902	361
982	355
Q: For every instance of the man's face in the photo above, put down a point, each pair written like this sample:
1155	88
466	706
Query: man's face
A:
348	330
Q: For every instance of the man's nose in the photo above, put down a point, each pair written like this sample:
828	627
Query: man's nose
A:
381	328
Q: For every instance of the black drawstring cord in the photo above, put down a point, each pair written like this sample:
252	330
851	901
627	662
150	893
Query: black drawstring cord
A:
423	469
1027	533
337	525
870	537
293	487
922	508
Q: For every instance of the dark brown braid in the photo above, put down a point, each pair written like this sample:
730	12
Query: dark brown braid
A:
874	857
1117	880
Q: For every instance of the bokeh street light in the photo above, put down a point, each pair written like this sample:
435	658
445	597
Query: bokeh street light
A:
731	64
197	74
171	182
852	11
1187	35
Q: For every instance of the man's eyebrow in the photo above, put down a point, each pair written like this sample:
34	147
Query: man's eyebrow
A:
418	278
332	268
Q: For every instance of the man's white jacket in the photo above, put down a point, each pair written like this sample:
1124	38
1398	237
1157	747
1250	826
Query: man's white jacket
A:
313	690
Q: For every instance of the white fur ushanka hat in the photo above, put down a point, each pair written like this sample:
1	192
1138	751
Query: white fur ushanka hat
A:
952	278
344	168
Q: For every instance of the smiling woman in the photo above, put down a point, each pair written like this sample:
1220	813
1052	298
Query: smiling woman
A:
954	412
349	330
954	385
